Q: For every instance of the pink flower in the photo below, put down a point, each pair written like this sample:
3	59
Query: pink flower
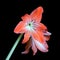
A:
35	32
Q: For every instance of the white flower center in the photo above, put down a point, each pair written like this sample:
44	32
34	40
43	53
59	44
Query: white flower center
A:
31	26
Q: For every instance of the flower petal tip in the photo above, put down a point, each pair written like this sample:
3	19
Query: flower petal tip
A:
47	33
46	50
34	54
41	9
25	52
15	31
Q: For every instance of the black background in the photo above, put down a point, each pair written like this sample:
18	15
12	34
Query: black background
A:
10	14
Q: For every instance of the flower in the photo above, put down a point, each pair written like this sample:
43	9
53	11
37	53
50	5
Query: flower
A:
35	33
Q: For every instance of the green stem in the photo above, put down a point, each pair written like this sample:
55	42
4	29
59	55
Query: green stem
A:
13	47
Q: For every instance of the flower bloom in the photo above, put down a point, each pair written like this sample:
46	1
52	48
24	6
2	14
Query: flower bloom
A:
35	33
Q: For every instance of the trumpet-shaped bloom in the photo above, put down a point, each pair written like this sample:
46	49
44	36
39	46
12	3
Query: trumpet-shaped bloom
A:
35	33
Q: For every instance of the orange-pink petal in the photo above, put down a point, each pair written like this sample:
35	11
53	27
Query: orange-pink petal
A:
38	36
26	17
37	14
26	37
42	27
19	27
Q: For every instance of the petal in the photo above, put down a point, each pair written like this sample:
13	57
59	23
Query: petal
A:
26	37
37	14
29	44
26	17
34	47
45	44
47	35
47	38
25	52
27	47
42	27
40	46
38	36
19	27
